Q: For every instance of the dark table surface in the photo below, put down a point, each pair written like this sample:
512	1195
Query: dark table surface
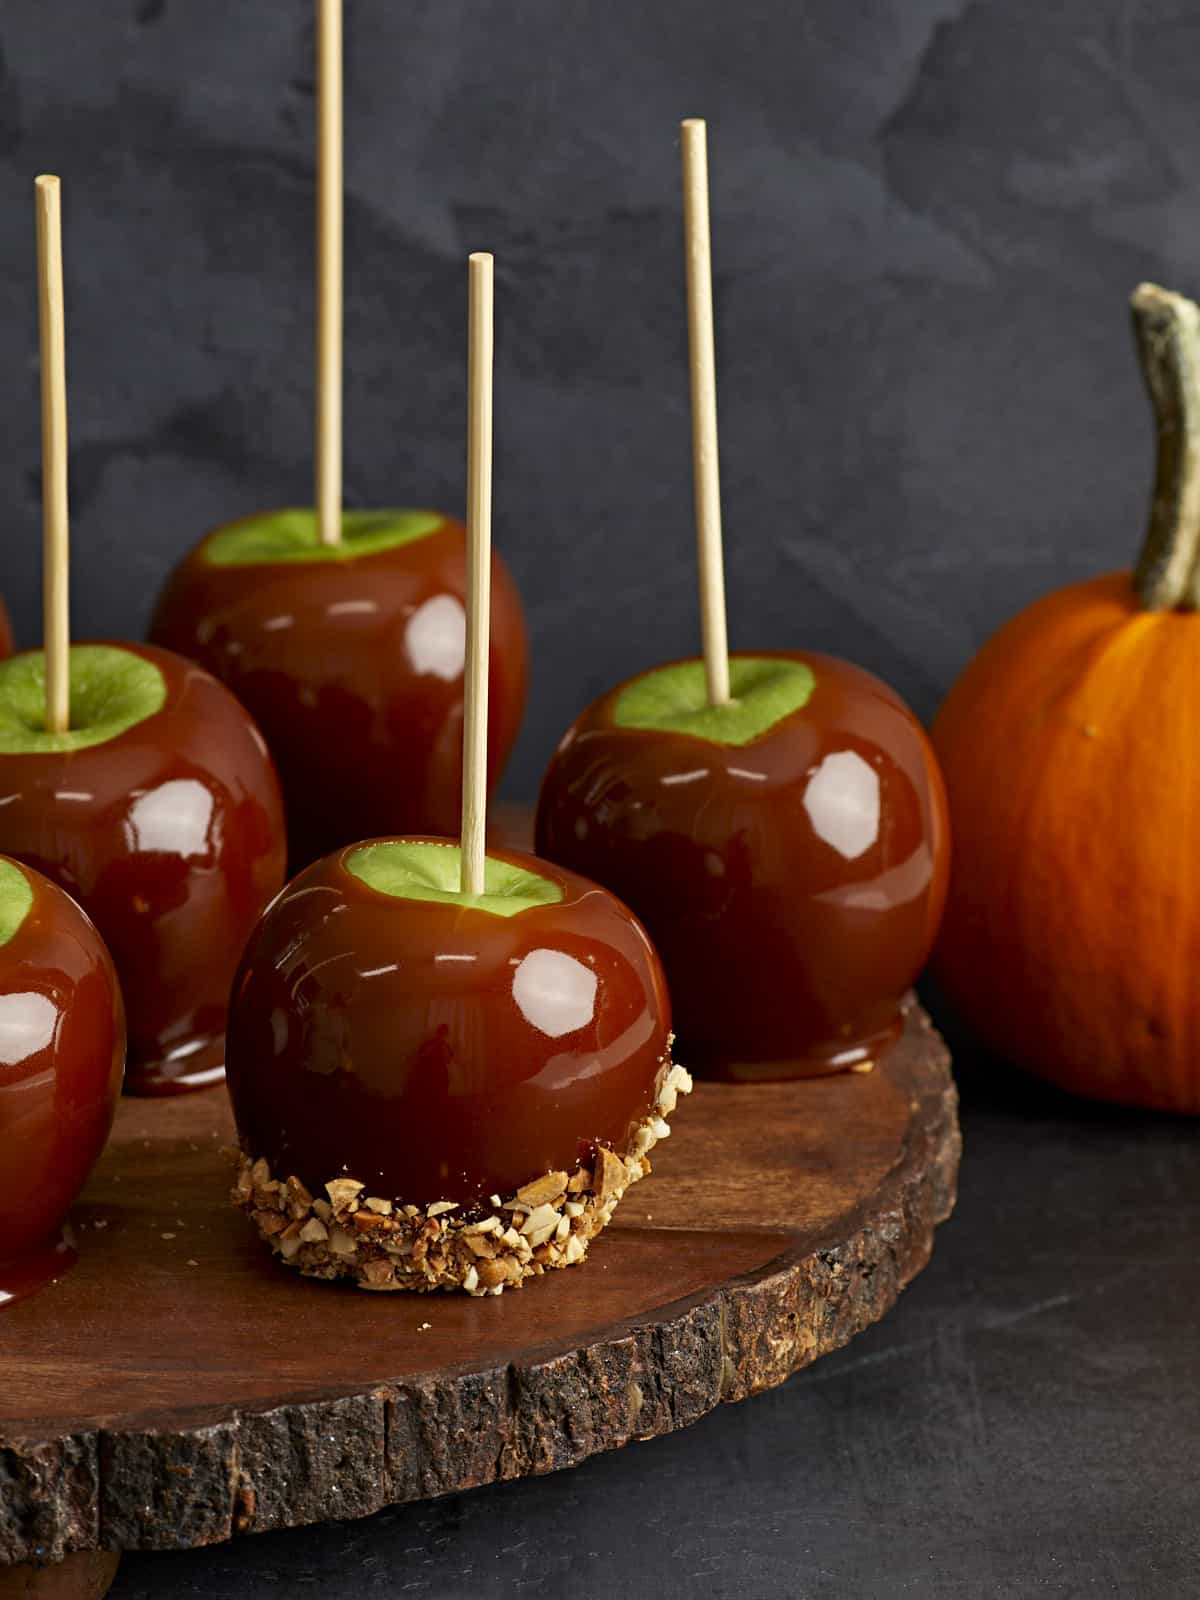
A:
1026	1422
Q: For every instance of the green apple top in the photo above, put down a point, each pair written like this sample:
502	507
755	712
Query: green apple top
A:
674	699
16	898
111	690
292	535
410	869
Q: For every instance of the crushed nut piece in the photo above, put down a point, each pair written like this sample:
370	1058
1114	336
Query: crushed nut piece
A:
678	1081
342	1191
543	1189
488	1225
543	1216
610	1173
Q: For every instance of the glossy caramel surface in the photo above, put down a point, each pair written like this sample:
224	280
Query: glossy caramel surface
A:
436	1052
792	886
353	671
171	837
62	1050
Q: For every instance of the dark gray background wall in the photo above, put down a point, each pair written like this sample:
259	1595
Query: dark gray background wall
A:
927	217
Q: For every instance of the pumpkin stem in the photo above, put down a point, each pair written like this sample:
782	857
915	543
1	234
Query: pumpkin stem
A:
1167	328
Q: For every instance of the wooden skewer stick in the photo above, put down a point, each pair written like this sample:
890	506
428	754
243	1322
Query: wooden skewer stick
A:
56	620
705	463
479	573
329	271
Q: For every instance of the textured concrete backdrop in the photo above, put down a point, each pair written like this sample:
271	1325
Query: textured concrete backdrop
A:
927	217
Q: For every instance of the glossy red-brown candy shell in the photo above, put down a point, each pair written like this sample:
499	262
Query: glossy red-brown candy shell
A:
171	836
787	952
353	670
434	1052
62	1050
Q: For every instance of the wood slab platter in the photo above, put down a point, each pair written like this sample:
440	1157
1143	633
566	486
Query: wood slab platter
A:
178	1388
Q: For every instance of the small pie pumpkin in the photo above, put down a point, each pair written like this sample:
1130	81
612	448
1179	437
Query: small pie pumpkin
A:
1071	752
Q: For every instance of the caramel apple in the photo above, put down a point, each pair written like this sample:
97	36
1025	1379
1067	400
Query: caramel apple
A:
787	851
354	648
436	1089
6	633
133	779
777	820
342	632
158	809
62	1050
447	1066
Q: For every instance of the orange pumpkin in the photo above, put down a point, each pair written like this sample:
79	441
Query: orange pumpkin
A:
1071	752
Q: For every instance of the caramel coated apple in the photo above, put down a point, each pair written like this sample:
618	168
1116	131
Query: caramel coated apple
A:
350	659
788	853
159	811
394	1044
62	1051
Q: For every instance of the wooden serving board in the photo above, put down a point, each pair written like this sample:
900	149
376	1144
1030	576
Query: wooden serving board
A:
179	1388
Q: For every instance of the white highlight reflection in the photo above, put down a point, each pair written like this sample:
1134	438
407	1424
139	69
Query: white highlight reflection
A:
555	993
436	638
842	801
27	1024
175	817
